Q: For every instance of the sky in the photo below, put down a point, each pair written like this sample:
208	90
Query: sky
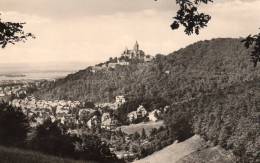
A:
91	31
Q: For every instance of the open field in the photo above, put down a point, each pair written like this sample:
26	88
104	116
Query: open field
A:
14	155
148	126
175	151
193	150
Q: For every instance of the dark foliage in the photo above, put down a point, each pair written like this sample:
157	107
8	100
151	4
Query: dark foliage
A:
189	17
15	155
143	134
254	42
228	118
51	139
11	32
89	104
180	125
14	126
157	140
90	147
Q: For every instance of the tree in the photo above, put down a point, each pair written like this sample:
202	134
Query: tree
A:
189	16
136	136
254	42
180	125
153	132
14	126
91	147
11	32
89	104
52	139
143	134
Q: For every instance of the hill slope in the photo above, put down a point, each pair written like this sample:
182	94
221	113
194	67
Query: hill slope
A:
192	150
13	155
203	65
213	80
175	151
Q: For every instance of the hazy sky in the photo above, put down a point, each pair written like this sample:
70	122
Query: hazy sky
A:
93	30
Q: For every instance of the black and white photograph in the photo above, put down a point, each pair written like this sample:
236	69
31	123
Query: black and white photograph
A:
129	81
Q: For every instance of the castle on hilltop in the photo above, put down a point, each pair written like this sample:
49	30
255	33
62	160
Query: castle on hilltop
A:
134	53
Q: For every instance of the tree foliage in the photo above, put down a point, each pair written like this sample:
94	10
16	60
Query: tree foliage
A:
254	42
189	17
50	138
14	126
180	125
91	147
11	32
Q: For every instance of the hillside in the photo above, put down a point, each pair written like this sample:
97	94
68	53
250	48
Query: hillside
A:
175	151
210	155
13	155
214	81
193	150
217	63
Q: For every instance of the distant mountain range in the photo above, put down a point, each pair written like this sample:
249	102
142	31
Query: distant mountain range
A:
18	68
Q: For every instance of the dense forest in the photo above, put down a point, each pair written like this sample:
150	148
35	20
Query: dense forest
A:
213	82
181	75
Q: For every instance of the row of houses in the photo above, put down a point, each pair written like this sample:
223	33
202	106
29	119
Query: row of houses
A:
71	113
16	90
40	110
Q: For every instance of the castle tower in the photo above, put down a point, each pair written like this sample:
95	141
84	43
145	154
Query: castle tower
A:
126	50
136	47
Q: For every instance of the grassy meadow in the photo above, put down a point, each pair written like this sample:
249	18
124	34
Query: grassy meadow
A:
147	126
14	155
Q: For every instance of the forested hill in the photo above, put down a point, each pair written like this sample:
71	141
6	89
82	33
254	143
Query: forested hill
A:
213	83
200	68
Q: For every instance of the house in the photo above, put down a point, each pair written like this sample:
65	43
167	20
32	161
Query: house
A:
139	113
93	121
120	100
108	122
132	116
112	65
153	116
